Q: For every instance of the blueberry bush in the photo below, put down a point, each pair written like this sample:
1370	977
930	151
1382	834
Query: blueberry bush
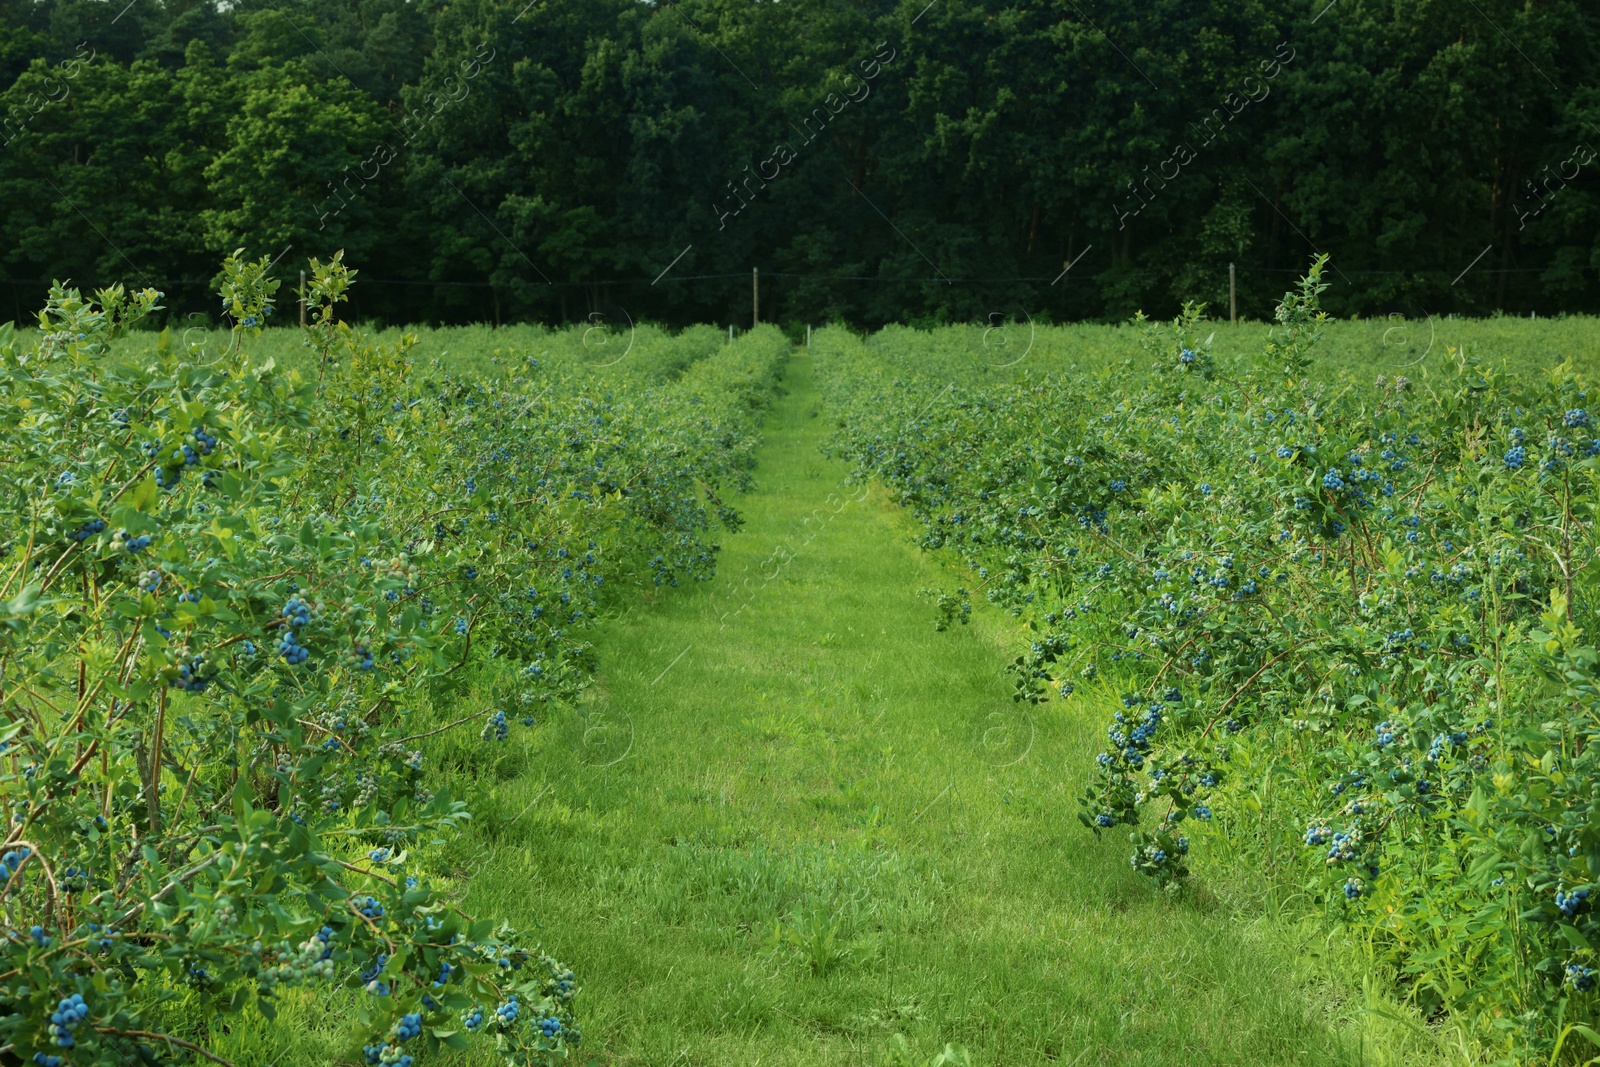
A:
1350	626
240	603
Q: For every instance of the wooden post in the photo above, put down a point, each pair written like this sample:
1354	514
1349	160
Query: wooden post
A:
808	336
302	298
755	297
730	333
1233	294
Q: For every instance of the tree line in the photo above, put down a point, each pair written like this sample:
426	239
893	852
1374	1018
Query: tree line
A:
502	160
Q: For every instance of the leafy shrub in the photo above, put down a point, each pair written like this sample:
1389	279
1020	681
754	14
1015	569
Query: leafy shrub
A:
241	604
1372	604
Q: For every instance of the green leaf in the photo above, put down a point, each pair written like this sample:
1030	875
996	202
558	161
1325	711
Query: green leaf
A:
1575	937
143	496
23	603
452	1038
242	792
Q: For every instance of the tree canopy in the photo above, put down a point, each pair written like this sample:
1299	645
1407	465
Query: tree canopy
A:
914	162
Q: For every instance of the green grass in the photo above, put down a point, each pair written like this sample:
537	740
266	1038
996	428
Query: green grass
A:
786	835
600	346
1360	348
1354	350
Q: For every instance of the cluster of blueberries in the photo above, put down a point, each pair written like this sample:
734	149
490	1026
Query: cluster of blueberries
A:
1335	482
1134	738
375	985
1440	741
1569	903
297	613
89	529
204	445
291	650
189	679
103	943
1517	455
388	1053
131	545
1344	844
249	321
1344	848
68	1014
566	985
171	465
1134	742
496	728
1396	463
11	863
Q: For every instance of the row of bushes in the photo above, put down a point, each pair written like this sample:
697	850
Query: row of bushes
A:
239	604
1355	619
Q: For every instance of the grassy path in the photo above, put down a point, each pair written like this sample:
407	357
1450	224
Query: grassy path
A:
785	837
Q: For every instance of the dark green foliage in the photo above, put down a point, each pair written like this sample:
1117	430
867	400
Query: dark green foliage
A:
879	163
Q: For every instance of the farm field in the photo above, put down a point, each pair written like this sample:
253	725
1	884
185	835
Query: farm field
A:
733	533
1346	628
1004	344
645	698
793	821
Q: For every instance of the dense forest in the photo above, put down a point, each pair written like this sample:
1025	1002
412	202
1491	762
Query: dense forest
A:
500	160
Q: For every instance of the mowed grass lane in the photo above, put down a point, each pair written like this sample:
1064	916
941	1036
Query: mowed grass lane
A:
792	820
